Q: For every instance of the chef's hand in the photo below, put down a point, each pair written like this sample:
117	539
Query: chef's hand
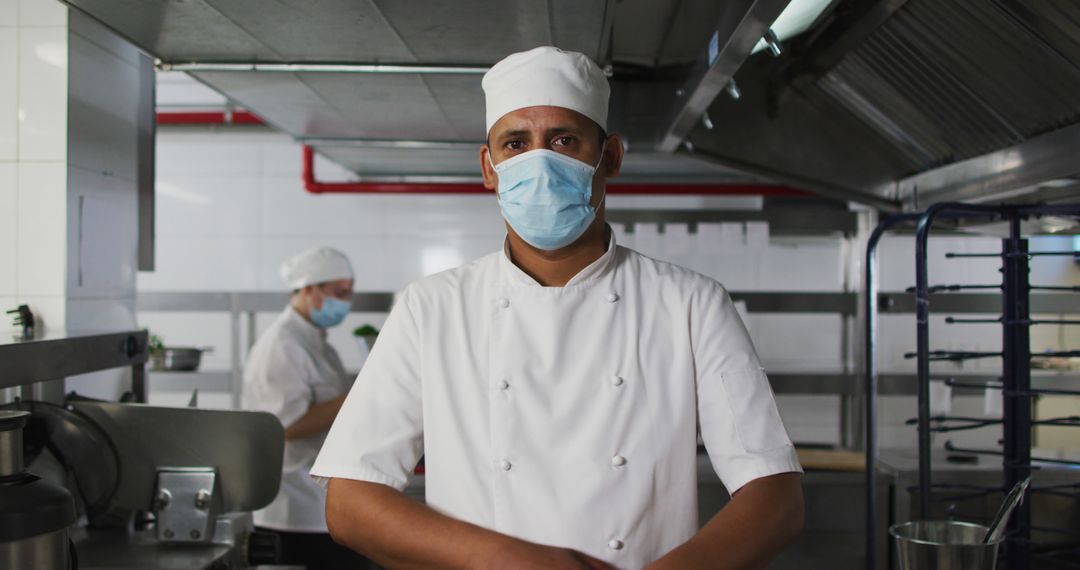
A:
522	555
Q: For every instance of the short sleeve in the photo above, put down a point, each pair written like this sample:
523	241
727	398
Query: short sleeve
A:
281	390
740	424
378	434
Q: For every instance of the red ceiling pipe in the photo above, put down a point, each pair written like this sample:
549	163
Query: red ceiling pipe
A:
315	187
208	118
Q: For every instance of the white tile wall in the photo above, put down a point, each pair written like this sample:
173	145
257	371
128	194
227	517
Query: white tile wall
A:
207	205
9	92
42	233
42	13
9	195
42	83
203	264
285	209
9	13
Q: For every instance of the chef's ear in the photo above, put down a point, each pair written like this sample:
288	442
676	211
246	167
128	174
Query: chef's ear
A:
613	156
491	179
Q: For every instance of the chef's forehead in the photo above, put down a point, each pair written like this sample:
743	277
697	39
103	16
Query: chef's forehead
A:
543	119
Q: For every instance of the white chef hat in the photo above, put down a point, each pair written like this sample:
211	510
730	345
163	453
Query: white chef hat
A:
315	266
546	76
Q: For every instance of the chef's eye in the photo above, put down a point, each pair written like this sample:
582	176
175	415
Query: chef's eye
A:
514	145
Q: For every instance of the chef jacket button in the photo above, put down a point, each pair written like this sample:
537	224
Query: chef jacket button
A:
615	544
504	384
505	464
618	461
616	381
504	302
612	297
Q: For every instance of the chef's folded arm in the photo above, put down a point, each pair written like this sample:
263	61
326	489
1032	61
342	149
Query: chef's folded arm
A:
747	445
379	434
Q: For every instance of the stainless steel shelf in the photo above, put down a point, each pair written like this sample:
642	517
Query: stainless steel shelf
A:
986	303
245	301
61	355
202	380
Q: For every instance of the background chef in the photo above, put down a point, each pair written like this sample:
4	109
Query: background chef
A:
293	373
556	387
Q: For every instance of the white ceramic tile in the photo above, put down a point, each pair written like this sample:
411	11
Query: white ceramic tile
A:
43	93
367	255
203	206
42	13
9	216
9	92
801	266
203	264
287	210
281	156
443	215
785	345
409	259
203	153
9	13
42	234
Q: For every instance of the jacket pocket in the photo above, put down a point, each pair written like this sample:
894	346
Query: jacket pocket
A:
753	409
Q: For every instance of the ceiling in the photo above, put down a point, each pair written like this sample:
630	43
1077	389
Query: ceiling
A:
895	103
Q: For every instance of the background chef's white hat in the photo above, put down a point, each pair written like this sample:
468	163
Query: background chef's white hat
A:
314	266
546	76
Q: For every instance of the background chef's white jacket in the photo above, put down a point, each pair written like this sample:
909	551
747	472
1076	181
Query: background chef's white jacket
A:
563	416
291	367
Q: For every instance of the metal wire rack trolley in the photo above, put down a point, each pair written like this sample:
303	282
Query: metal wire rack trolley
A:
1017	393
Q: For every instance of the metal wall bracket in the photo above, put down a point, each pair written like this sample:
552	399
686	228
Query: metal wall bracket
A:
182	503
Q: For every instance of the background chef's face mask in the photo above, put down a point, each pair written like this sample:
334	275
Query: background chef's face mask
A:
544	195
331	313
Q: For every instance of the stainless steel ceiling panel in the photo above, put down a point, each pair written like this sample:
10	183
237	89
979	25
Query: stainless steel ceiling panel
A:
461	103
384	31
382	106
437	31
191	30
663	32
281	99
947	81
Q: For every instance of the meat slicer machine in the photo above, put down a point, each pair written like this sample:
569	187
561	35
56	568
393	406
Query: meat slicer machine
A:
155	487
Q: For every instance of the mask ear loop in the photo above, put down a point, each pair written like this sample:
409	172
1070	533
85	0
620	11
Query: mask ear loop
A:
603	147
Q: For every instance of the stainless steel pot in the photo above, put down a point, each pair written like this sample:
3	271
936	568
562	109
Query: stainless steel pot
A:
177	358
34	513
943	545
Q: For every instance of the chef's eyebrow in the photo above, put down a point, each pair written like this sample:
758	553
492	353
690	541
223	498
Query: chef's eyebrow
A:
557	130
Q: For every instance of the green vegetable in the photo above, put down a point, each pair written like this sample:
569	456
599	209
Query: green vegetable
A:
366	330
156	344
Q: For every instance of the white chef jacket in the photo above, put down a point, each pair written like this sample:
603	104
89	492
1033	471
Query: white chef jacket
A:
290	368
567	415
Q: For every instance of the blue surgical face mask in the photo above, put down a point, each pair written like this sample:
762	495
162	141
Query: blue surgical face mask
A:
545	195
331	313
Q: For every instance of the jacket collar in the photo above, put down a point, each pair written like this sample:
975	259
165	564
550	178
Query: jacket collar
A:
595	270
